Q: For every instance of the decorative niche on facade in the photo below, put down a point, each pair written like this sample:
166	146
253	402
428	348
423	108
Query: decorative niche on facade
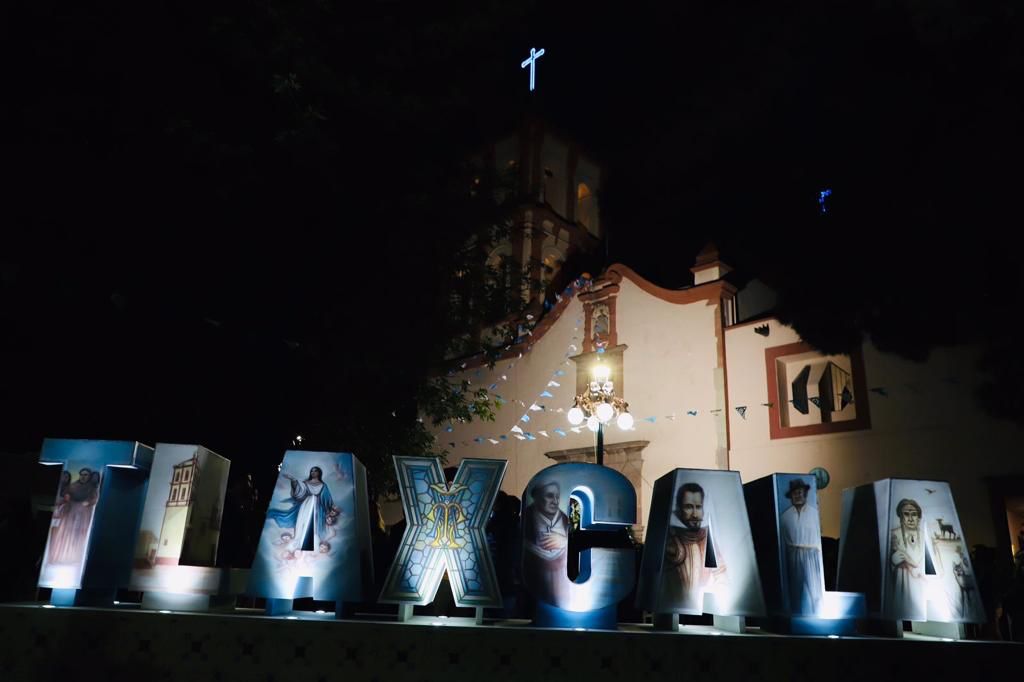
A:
811	393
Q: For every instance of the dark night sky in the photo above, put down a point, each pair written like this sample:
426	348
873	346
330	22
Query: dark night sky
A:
224	220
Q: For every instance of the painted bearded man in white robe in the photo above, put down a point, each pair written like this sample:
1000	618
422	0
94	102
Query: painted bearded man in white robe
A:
800	527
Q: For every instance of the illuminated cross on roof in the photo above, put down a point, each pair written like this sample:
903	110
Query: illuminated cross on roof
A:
535	54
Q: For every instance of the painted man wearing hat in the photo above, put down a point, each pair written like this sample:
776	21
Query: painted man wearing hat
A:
800	528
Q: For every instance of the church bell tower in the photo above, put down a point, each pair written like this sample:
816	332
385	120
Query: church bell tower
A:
557	218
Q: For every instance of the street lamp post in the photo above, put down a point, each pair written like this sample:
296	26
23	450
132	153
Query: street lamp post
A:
598	405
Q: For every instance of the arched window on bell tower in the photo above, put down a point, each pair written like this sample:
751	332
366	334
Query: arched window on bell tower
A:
585	206
551	263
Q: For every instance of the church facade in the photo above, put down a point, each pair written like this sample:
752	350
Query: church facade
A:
713	381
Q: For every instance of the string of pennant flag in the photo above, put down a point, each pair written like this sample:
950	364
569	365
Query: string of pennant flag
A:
523	428
553	382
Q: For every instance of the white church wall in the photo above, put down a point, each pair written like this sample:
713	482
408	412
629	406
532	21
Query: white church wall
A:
669	365
927	426
526	378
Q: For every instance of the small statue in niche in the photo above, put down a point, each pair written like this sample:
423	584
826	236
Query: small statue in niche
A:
601	326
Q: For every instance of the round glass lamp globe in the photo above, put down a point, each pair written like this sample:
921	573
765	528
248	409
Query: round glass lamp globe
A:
625	421
575	416
605	412
593	424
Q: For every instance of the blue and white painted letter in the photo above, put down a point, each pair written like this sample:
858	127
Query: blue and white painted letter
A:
316	538
445	532
699	556
95	516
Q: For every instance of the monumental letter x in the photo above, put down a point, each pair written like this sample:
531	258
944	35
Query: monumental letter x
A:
445	532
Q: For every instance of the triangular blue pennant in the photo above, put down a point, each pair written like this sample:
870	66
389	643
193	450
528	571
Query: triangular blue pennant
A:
560	432
560	373
650	419
525	418
503	437
692	413
546	394
449	428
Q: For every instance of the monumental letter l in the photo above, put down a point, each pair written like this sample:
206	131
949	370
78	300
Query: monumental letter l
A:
445	532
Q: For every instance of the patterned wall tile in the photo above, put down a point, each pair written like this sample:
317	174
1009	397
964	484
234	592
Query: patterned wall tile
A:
134	645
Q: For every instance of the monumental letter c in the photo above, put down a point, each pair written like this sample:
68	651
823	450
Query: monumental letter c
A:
607	502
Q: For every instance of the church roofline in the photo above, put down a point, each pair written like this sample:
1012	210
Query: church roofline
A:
710	292
760	319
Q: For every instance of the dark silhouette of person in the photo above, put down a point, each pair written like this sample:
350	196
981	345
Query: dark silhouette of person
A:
503	537
1013	602
241	524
